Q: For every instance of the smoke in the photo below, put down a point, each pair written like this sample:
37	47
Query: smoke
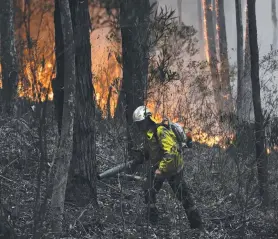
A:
189	15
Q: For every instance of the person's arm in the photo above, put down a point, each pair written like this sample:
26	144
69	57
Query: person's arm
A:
141	156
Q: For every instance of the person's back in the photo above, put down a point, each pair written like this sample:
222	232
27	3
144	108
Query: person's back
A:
163	149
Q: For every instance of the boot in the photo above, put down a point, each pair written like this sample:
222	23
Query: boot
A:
195	221
194	218
152	214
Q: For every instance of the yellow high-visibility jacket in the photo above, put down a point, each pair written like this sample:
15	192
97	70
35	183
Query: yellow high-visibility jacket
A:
163	150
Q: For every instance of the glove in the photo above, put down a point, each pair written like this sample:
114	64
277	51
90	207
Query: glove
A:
189	139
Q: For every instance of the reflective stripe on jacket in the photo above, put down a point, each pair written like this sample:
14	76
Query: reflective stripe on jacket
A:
163	150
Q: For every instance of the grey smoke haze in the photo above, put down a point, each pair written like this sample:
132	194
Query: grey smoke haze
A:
264	22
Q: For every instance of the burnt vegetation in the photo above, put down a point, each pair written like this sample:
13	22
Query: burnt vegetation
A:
67	98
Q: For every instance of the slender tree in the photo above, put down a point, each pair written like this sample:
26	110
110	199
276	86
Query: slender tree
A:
256	96
64	156
58	82
214	22
153	14
212	54
226	90
274	20
245	126
8	56
201	28
247	108
240	57
84	160
179	4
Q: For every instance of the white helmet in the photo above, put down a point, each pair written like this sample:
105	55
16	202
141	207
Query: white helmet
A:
141	113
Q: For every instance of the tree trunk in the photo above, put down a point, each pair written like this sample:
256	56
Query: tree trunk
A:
8	56
108	104
179	6
134	19
245	128
259	119
201	29
154	8
66	141
84	160
247	108
240	58
274	20
226	91
212	55
134	22
214	23
58	82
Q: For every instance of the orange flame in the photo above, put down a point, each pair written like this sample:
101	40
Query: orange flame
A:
36	77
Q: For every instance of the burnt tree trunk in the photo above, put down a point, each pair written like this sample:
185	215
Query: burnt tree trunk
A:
84	160
153	14
256	96
212	55
134	21
226	91
245	124
245	130
8	56
108	104
58	82
239	56
64	154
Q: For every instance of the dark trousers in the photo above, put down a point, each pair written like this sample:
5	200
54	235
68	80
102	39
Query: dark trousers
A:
154	183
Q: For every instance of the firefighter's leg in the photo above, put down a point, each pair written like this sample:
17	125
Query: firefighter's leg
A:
151	188
182	192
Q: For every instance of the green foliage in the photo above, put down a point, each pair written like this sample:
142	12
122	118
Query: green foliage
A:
172	43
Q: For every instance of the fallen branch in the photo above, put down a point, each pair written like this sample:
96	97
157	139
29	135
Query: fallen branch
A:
132	177
7	179
8	165
78	218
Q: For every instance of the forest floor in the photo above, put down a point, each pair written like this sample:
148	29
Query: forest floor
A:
223	187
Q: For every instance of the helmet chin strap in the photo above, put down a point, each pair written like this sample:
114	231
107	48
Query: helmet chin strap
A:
151	123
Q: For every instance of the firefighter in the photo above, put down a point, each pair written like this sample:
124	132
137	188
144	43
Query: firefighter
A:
166	163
